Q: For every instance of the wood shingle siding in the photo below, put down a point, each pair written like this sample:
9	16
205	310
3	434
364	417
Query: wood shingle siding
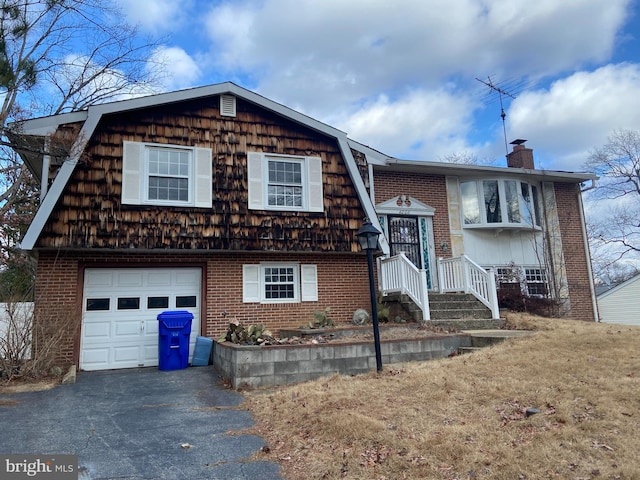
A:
90	213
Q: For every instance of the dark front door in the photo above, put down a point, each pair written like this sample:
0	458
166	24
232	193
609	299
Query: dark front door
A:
405	237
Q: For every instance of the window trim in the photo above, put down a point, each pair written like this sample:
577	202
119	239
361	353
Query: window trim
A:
295	267
146	175
303	182
135	175
258	182
254	286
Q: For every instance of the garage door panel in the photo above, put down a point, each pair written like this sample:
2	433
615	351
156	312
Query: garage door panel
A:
100	279
129	328
97	330
126	354
159	279
95	358
129	279
187	278
128	337
150	353
151	329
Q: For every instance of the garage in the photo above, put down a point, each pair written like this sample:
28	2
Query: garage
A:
119	311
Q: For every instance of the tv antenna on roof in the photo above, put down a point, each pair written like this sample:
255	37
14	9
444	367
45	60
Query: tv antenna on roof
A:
494	88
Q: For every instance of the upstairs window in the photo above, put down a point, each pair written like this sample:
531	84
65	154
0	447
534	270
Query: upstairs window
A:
168	174
284	185
500	203
173	175
285	182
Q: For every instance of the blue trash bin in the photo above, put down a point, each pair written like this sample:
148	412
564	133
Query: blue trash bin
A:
174	329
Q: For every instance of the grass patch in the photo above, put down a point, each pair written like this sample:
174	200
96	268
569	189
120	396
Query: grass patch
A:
562	403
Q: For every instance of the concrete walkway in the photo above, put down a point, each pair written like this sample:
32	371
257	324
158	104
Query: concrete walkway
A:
135	424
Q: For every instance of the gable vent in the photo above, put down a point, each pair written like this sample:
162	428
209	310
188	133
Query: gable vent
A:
227	105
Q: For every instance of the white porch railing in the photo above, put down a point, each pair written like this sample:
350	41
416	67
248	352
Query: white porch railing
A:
399	275
461	274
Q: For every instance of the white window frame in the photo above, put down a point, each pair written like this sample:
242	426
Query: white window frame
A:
305	283
258	176
295	269
303	185
147	174
536	276
522	210
135	175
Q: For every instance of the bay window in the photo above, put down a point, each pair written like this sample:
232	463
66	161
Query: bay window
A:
500	203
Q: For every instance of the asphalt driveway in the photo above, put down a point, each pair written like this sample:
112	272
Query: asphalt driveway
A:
132	424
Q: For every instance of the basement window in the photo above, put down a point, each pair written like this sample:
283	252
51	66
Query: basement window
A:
279	283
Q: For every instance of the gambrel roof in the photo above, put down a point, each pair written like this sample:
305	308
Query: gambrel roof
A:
90	118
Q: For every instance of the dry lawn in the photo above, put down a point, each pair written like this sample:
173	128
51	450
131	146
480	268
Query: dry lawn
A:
466	417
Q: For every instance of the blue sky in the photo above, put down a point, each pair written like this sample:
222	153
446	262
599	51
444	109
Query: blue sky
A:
401	76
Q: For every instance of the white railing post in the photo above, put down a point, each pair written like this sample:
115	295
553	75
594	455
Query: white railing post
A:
426	313
493	295
466	277
441	278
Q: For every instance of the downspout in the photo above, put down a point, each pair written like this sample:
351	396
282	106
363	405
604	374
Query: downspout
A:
46	164
587	251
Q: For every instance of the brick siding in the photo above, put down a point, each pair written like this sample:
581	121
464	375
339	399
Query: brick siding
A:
429	189
342	285
575	257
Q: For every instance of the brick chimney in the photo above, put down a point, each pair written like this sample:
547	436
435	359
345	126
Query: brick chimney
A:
521	156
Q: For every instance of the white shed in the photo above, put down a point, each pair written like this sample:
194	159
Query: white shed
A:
620	304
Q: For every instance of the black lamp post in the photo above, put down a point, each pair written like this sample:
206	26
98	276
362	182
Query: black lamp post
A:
368	238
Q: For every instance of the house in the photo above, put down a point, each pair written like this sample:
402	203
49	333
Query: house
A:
525	225
618	304
224	203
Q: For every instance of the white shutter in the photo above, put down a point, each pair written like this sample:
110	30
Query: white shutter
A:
251	283
132	171
255	181
314	166
309	274
202	170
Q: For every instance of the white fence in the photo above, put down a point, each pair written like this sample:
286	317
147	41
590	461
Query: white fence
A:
15	321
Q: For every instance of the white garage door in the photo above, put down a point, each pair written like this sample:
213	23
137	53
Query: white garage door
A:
120	309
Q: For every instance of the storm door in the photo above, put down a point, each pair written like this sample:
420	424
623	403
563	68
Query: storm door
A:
404	236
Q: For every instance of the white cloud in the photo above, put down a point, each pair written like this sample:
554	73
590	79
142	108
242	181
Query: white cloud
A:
319	54
155	16
577	114
179	69
414	125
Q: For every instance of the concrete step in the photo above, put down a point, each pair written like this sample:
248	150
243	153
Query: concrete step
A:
468	324
485	338
469	349
470	313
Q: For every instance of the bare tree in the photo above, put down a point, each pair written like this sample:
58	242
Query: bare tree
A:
615	218
58	56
